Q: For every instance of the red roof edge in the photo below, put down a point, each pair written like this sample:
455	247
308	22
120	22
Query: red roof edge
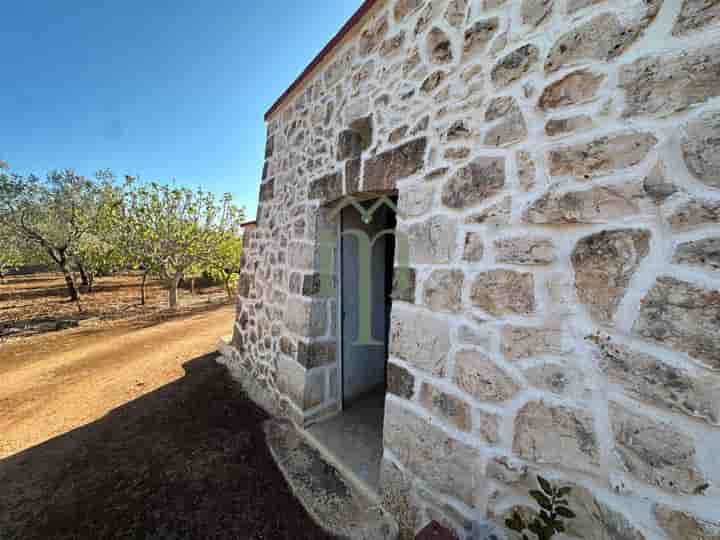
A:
357	16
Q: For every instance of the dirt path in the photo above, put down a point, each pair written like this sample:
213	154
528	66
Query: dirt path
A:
51	385
136	433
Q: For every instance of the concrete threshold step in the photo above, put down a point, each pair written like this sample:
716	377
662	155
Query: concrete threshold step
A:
329	498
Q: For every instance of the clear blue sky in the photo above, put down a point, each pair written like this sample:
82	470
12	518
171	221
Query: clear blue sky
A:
162	89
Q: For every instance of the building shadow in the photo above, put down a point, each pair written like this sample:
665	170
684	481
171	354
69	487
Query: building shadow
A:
187	461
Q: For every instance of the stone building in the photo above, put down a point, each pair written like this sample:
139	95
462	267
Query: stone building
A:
556	170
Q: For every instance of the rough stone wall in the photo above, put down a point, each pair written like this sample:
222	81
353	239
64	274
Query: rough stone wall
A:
558	167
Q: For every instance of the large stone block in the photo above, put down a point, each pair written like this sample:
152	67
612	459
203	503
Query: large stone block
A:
556	435
520	342
696	15
356	139
291	379
326	188
601	156
649	380
657	185
474	183
574	88
474	247
495	214
400	381
301	256
439	47
682	316
604	264
535	12
405	8
703	253
655	452
443	290
444	463
415	200
694	213
665	84
515	65
384	170
511	129
684	525
420	339
504	292
602	38
701	147
306	317
525	250
432	241
373	36
479	376
451	408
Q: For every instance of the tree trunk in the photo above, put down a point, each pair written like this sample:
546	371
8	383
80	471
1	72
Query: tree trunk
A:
83	275
227	288
142	289
173	289
90	282
192	286
70	282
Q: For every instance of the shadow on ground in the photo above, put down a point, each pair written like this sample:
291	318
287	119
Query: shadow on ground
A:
188	461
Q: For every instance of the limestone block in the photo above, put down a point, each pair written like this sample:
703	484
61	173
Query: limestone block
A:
405	8
373	36
694	213
602	38
696	15
474	183
487	427
432	241
652	381
665	84
684	525
291	379
684	317
601	156
504	292
556	435
306	317
560	379
472	336
575	88
439	47
384	170
453	409
326	188
433	81
703	253
420	339
455	12
495	214
655	452
444	463
572	124
404	290
701	146
526	170
479	376
535	12
604	264
512	129
478	35
525	250
392	45
520	342
400	381
474	247
657	186
443	290
515	65
415	200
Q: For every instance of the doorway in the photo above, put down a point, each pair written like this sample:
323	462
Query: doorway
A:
366	249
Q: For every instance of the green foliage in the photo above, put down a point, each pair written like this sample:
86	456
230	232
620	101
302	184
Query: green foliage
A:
224	262
554	507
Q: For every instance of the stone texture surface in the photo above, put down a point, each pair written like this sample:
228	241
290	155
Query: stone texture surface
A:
495	214
682	525
383	171
655	452
657	185
479	376
453	409
574	88
527	250
600	204
556	435
474	183
563	126
421	340
432	241
696	15
560	379
515	65
601	156
441	461
661	85
504	292
474	247
478	35
657	383
512	127
701	147
520	342
439	47
443	290
535	12
694	213
400	381
703	253
684	317
604	264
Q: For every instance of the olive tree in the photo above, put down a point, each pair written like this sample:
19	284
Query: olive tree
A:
173	230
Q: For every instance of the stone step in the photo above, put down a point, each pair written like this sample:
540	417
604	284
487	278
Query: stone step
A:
328	497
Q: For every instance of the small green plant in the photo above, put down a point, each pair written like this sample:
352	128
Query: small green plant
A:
553	510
